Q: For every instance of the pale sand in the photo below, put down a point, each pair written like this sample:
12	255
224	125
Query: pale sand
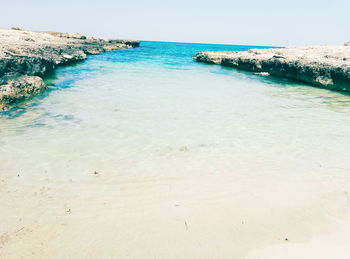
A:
335	245
198	216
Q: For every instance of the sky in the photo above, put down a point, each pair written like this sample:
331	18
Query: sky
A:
254	22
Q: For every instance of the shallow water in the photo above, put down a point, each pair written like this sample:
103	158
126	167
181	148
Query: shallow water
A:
153	110
144	153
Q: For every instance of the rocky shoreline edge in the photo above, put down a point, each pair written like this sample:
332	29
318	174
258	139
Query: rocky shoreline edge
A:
26	56
321	66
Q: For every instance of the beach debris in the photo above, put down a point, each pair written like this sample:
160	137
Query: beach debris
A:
19	230
286	239
186	225
262	73
96	173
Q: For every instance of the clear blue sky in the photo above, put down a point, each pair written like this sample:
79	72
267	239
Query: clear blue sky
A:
254	22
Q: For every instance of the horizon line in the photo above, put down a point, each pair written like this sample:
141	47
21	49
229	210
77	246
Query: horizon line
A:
206	43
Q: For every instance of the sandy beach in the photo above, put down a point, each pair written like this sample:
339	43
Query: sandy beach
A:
211	216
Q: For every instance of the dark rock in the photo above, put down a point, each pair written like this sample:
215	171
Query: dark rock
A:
16	87
25	56
322	66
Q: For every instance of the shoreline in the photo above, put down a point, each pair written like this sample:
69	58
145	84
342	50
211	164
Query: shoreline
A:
321	66
27	56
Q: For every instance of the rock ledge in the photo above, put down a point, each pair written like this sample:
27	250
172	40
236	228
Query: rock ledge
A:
26	56
322	66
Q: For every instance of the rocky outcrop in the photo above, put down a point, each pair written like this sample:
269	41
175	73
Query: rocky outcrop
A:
14	88
322	66
26	56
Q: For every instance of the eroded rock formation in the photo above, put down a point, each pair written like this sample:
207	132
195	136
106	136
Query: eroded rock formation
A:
323	66
26	56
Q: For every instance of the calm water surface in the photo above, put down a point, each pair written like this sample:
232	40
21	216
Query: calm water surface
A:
154	111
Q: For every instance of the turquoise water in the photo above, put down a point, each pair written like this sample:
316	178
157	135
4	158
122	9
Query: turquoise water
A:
153	110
